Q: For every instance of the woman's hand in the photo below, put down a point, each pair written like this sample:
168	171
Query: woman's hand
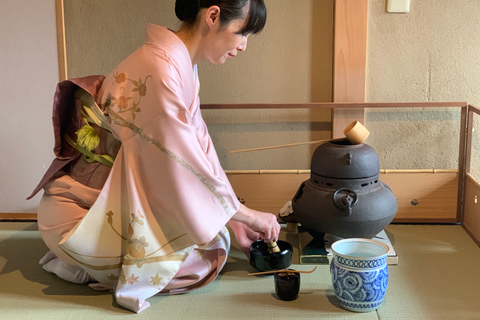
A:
258	225
244	235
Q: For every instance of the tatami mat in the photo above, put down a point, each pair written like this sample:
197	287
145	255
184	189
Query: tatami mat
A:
438	277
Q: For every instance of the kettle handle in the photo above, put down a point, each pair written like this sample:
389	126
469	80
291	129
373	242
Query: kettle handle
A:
346	202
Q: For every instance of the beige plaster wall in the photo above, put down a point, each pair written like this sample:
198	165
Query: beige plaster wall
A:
100	34
428	54
28	76
289	62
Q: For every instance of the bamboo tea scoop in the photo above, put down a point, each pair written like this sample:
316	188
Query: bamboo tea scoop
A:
355	132
283	270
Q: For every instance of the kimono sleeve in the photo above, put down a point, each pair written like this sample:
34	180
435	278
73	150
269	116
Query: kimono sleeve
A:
172	162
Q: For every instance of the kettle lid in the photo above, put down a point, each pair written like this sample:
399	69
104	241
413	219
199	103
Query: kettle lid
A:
342	160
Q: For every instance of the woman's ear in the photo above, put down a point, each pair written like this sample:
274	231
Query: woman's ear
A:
212	15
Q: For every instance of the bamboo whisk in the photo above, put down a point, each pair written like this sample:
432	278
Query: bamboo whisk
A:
272	246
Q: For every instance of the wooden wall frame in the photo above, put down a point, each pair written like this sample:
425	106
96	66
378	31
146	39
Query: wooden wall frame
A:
350	40
61	40
471	222
442	191
471	188
349	62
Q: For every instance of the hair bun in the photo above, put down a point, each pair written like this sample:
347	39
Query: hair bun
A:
186	10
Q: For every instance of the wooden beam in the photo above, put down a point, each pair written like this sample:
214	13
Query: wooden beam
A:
350	59
465	158
334	105
61	42
463	162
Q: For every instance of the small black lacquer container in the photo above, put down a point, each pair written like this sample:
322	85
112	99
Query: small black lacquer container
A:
287	285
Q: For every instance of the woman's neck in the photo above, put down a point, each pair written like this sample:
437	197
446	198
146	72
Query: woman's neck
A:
192	39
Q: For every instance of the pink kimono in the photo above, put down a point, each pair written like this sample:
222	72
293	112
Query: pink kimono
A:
158	224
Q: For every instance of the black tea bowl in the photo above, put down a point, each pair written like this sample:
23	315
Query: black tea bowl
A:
262	260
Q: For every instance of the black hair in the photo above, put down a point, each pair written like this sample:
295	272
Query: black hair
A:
187	10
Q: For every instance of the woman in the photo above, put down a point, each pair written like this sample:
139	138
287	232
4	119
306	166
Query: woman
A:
156	222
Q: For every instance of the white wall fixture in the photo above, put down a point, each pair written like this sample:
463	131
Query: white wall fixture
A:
398	6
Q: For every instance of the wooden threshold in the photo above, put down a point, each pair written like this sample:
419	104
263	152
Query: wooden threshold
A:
18	217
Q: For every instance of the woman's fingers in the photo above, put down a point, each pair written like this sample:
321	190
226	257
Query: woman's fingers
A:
272	229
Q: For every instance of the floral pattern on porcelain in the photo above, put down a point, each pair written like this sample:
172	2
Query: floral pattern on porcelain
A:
360	290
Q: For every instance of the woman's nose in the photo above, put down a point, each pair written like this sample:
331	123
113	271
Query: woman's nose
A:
243	44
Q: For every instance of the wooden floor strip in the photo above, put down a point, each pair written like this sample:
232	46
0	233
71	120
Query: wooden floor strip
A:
18	216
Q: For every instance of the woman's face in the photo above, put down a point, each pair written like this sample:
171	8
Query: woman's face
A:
225	42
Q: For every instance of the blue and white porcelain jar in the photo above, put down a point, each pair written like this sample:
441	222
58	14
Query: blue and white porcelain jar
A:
359	273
